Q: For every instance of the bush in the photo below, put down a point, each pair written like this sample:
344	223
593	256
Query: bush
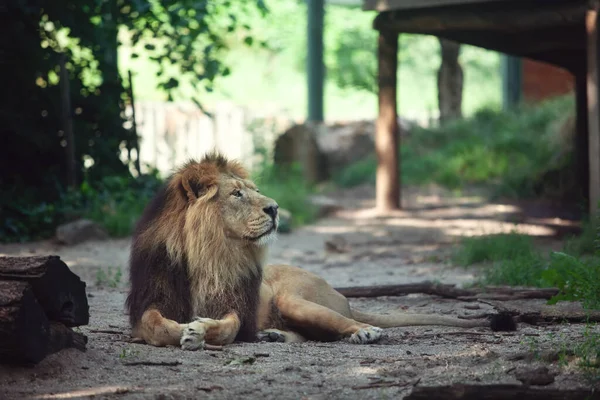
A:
116	202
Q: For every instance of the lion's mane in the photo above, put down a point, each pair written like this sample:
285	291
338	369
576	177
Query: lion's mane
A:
181	261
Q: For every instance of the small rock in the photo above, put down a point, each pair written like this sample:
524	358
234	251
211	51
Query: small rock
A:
80	231
540	376
336	244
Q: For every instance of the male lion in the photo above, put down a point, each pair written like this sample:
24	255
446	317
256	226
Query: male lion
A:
197	271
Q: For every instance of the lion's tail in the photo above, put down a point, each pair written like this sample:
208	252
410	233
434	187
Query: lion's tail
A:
500	322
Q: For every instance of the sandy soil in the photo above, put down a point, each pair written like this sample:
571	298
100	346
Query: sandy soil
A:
409	246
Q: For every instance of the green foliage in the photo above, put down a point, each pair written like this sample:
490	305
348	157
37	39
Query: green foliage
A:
275	75
523	270
577	279
116	202
586	242
111	278
588	352
510	152
184	39
288	188
493	248
515	261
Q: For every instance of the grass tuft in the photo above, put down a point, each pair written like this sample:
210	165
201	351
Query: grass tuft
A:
493	248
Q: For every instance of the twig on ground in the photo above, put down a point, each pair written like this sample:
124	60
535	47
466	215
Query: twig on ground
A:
153	363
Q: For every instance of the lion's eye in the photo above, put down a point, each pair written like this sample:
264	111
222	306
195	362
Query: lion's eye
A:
237	193
257	191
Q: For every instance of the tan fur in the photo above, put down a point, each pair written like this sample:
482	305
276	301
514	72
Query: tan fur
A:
210	232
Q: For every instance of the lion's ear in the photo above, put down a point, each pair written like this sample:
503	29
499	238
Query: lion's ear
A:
195	187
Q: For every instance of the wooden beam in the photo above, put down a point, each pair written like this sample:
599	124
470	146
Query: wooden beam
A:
388	5
568	53
386	135
483	17
593	99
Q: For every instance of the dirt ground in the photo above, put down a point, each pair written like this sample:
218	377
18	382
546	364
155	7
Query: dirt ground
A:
409	246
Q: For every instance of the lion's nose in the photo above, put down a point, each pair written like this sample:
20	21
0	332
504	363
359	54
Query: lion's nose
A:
271	210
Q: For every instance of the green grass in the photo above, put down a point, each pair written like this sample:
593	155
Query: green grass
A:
508	152
493	248
513	260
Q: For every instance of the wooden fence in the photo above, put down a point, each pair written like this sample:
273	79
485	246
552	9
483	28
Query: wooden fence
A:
173	132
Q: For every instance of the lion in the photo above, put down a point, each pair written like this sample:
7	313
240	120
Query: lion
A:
198	275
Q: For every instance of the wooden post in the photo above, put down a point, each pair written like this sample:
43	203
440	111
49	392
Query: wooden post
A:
136	144
315	67
581	138
593	98
386	135
67	121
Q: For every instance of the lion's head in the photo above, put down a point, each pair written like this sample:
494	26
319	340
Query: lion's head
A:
218	191
212	206
202	236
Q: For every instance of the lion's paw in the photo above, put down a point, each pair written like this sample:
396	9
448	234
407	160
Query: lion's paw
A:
270	336
193	336
366	335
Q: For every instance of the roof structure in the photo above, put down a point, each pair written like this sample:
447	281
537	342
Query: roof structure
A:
559	32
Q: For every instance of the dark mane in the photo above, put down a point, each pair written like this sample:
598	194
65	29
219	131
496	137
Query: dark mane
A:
156	281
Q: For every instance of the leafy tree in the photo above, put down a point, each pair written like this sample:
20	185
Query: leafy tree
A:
187	38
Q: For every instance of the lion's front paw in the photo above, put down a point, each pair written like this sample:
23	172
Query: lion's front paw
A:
193	336
366	335
270	336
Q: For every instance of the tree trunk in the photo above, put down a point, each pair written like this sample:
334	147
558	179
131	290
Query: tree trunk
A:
450	81
58	290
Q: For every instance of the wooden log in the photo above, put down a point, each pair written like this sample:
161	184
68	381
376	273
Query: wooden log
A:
540	313
62	337
498	392
26	335
449	291
59	291
24	328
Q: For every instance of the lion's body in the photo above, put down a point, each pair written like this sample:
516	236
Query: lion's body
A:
197	271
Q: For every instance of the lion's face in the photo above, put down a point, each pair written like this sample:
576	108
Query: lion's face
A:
222	201
246	213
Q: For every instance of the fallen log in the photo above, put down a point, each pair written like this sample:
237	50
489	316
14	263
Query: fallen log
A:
59	291
498	392
26	334
449	291
24	328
